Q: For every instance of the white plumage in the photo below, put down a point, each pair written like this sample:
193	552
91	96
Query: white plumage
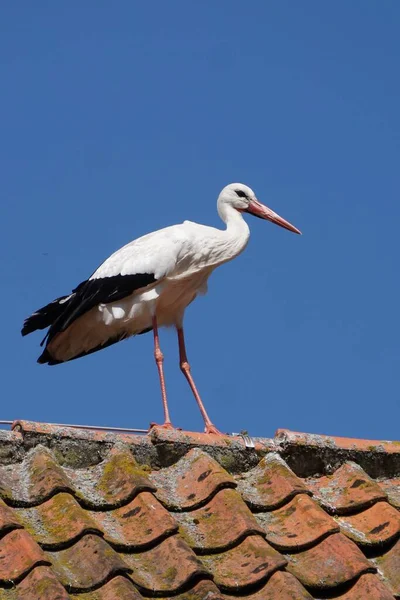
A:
148	283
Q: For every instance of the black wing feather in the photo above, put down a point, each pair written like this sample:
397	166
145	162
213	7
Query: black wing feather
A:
87	295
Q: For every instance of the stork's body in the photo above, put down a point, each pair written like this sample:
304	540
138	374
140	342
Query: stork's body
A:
147	284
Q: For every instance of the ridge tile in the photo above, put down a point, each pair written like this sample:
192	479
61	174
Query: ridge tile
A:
249	563
270	484
334	561
18	554
298	524
191	481
166	567
87	563
376	525
349	488
212	528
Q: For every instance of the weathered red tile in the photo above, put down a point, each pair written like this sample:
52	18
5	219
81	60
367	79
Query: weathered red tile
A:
367	587
334	442
112	482
392	488
332	562
377	524
250	562
212	526
8	519
138	523
166	567
34	480
348	489
297	524
389	566
270	484
18	554
56	521
281	586
191	481
119	588
87	563
205	590
39	584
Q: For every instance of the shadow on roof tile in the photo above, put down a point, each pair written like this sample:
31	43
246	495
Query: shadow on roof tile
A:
39	584
281	586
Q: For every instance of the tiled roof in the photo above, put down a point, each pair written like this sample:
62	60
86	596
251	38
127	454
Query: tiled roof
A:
175	515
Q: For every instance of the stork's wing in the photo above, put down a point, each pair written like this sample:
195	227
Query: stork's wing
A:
135	266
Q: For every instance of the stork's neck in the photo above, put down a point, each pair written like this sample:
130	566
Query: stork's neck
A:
236	235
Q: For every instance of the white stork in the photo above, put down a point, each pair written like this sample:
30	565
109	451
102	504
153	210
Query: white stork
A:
148	284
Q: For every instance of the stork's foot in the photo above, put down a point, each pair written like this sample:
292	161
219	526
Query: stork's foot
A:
210	428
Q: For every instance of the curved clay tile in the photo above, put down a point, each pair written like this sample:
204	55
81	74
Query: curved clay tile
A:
298	524
270	484
191	481
375	525
211	527
19	553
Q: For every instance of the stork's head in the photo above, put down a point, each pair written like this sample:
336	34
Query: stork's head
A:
243	199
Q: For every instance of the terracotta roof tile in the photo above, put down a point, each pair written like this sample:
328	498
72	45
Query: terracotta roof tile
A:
191	481
376	525
166	567
86	564
367	587
392	488
334	561
100	516
281	585
212	527
40	583
119	588
389	565
296	525
249	563
270	484
138	524
19	553
204	590
347	489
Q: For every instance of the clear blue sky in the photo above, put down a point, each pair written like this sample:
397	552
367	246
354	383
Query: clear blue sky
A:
121	118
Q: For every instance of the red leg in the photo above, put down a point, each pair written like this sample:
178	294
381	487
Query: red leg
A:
158	355
185	368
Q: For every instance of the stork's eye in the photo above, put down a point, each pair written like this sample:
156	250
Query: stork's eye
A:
241	193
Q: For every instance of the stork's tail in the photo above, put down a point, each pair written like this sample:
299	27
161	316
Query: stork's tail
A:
44	317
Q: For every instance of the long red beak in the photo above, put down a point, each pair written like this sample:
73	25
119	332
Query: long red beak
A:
263	212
